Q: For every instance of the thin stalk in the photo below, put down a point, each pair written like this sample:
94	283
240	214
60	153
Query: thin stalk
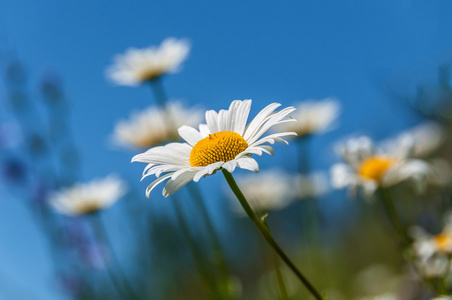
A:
102	235
310	209
394	216
159	92
267	236
444	280
218	256
303	144
194	249
279	277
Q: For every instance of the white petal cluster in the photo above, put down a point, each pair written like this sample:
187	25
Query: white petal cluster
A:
433	251
88	197
138	65
275	189
173	159
422	141
356	151
266	191
154	126
313	116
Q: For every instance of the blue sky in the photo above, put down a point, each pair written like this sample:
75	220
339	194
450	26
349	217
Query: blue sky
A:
267	51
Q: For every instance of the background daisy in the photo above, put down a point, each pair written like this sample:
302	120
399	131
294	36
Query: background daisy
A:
138	65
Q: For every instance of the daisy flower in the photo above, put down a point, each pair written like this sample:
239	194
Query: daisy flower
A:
433	251
224	142
313	116
276	189
154	126
268	190
83	198
139	65
370	167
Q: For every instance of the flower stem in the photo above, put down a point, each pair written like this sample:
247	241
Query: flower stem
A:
218	256
102	235
159	92
394	216
279	277
267	236
193	247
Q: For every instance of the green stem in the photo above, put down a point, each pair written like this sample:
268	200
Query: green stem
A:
159	92
310	211
267	236
394	217
303	144
217	251
102	235
279	277
194	249
444	280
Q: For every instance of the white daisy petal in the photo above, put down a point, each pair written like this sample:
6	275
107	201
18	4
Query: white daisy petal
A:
248	163
173	153
204	130
273	137
270	122
267	149
230	165
207	170
182	171
190	135
212	121
223	119
259	119
239	117
173	186
159	169
156	182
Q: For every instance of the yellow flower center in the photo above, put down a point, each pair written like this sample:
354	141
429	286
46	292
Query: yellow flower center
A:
375	167
88	207
150	73
220	146
443	242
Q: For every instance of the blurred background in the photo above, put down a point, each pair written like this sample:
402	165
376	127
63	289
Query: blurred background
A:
386	62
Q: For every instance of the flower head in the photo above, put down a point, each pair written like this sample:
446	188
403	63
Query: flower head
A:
139	65
224	142
433	251
154	126
89	197
313	116
371	167
268	190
